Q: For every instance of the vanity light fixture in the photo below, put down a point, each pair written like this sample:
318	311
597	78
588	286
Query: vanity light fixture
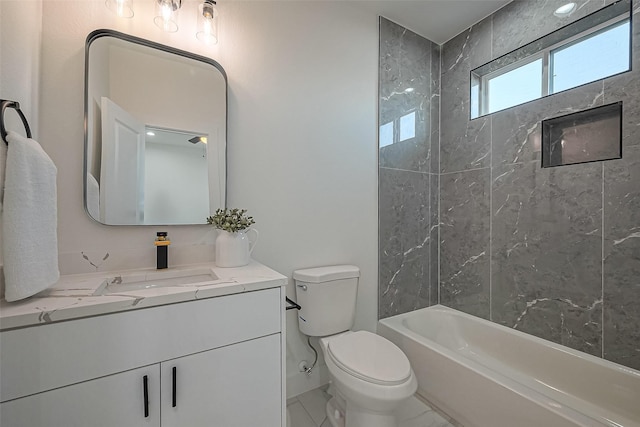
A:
167	15
207	22
565	10
122	8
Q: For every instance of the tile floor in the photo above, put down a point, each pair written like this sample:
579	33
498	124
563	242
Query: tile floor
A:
309	410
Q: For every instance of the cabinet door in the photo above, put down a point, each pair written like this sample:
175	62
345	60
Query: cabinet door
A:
114	401
234	386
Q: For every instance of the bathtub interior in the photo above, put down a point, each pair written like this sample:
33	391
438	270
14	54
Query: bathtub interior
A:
599	388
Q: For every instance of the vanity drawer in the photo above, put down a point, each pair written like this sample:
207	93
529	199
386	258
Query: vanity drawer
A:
41	358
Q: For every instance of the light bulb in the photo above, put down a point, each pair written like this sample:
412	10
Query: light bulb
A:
166	12
207	22
167	15
120	7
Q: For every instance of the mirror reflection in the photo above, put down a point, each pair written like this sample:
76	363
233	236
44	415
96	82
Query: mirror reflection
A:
155	146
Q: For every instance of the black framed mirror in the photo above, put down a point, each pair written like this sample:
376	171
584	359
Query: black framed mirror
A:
155	132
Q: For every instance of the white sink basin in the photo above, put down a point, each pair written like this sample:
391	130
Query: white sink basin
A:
156	279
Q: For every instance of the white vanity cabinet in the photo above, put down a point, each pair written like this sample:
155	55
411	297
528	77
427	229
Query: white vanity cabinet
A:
238	385
210	362
115	400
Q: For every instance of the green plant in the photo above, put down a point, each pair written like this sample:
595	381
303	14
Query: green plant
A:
231	220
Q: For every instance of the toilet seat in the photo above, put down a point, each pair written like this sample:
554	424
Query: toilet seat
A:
370	357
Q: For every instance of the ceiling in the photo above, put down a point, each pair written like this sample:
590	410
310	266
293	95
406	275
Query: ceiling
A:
437	20
171	137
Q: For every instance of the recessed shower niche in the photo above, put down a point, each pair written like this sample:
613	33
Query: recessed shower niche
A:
586	136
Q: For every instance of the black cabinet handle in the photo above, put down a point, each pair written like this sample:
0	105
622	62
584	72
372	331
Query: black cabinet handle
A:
145	390
174	398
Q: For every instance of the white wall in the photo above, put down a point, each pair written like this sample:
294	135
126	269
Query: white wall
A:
20	29
175	183
302	153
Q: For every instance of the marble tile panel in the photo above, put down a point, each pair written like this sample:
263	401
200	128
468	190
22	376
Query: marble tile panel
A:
315	403
414	413
622	259
521	22
626	88
427	419
411	408
435	109
467	50
404	241
411	413
546	252
516	131
300	417
464	241
464	144
434	252
410	155
405	87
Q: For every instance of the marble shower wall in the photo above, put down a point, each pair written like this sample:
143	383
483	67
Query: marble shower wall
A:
551	252
408	179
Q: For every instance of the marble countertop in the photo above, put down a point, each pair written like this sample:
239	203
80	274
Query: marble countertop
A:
83	295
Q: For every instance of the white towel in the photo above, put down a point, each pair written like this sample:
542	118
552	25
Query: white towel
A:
30	241
93	197
3	162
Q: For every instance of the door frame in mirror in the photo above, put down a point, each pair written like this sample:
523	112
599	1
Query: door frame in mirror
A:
97	34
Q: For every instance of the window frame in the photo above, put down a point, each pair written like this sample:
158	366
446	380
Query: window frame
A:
546	54
484	93
578	38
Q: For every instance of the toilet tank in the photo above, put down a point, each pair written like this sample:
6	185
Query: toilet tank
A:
327	296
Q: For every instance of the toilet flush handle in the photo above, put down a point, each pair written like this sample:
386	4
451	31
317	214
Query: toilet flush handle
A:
303	287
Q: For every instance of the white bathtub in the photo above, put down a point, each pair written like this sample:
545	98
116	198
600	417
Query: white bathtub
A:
486	375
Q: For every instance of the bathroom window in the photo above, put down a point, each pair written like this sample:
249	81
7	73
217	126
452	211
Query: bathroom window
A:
573	65
590	49
505	88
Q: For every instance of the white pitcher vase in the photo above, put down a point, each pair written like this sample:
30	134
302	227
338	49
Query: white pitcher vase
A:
234	249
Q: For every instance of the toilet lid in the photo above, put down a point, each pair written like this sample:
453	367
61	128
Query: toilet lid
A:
370	357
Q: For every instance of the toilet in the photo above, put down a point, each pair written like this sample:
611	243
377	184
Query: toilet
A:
370	376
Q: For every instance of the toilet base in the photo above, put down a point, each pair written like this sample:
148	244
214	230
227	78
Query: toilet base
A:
356	417
335	413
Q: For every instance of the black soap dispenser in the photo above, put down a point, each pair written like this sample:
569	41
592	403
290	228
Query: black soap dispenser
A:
162	245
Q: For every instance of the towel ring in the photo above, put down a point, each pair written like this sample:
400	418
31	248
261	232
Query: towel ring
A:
4	104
